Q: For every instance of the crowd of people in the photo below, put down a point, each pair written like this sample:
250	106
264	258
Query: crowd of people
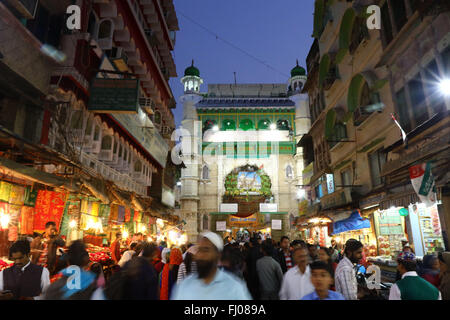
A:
212	269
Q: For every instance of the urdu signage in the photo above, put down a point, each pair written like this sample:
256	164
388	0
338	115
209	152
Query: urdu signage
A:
114	95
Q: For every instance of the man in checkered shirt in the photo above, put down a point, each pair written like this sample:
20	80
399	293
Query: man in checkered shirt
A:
345	275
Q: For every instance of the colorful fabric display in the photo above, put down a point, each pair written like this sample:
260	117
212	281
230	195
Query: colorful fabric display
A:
94	208
113	216
17	195
30	197
26	220
49	207
127	214
121	214
5	189
84	206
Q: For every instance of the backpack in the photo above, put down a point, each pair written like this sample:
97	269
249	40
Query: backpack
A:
55	291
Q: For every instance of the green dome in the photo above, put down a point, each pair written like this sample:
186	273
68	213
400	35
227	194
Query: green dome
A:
192	71
298	71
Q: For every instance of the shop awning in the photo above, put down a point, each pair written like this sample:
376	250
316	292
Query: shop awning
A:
354	222
29	173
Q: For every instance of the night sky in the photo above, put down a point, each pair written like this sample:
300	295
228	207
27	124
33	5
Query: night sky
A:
276	32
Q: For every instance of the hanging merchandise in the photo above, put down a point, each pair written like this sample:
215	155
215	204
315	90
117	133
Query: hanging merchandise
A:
84	206
94	208
30	197
121	214
132	214
13	226
17	195
26	220
49	207
5	189
127	214
71	214
103	212
114	213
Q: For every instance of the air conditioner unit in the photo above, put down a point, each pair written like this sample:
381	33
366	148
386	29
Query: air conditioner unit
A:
359	116
27	8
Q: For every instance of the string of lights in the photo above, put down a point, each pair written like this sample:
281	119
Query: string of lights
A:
231	44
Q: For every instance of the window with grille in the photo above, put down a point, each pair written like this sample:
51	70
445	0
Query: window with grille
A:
418	103
377	160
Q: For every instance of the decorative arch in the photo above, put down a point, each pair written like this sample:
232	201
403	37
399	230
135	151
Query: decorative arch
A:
205	222
107	142
345	33
105	29
205	172
283	124
246	124
228	124
264	124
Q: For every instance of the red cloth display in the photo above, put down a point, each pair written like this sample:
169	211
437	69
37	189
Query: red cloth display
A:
26	220
49	207
127	214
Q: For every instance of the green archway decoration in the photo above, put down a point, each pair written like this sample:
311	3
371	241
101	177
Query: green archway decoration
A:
228	124
263	124
246	124
324	68
354	92
282	124
330	121
345	33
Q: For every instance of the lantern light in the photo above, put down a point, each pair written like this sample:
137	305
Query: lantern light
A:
4	219
273	126
72	224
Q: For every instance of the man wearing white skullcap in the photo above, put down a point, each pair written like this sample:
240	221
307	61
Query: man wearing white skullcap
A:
210	283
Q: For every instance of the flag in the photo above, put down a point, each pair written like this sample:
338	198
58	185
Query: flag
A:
405	139
423	183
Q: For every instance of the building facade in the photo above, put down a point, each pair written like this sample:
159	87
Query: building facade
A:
357	84
54	99
242	165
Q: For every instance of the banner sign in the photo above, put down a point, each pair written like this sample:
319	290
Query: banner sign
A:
423	183
268	207
229	207
114	95
276	225
250	219
221	226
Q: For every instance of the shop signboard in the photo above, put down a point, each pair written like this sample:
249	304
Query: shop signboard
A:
114	95
276	225
330	183
268	207
221	226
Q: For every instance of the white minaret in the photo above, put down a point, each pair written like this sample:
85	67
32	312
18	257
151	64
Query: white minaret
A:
302	115
191	151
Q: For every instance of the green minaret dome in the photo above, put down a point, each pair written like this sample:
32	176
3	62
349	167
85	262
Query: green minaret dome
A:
192	71
298	71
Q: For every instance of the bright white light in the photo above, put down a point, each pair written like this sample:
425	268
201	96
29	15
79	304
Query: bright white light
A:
4	219
300	193
216	128
125	234
273	126
72	224
179	183
445	87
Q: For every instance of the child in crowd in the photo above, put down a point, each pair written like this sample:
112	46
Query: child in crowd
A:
322	280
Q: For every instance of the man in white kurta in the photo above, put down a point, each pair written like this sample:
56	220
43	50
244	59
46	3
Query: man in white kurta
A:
297	281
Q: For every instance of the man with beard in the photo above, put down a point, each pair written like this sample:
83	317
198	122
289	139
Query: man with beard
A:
345	275
210	283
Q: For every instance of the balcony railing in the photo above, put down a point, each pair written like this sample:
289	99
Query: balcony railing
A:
124	181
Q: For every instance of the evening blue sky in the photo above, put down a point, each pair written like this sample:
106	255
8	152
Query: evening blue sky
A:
275	31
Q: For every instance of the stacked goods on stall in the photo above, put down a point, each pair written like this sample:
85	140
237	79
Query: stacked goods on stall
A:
99	254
